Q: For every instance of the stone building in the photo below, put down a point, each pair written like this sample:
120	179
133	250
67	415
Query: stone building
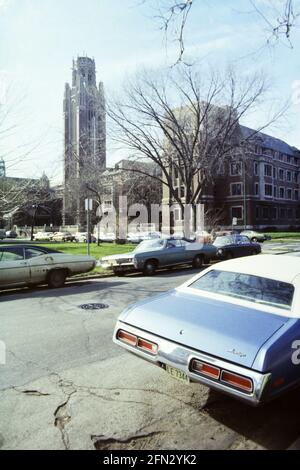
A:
84	137
122	180
262	188
258	185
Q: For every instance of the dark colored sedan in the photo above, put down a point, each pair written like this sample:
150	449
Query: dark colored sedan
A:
235	246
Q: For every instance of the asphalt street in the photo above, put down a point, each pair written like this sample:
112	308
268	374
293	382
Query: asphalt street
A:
65	385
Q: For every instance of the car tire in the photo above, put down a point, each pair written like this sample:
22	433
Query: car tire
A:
56	278
149	268
198	262
254	240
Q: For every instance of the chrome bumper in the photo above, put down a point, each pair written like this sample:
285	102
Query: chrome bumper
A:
179	357
115	264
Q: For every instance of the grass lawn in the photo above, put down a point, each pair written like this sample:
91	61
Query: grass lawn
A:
105	249
284	236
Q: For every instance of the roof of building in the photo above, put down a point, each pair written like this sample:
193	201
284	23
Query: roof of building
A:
269	141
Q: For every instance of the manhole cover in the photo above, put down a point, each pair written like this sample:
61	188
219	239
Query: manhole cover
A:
93	306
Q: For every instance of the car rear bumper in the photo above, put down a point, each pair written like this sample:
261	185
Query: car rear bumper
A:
180	357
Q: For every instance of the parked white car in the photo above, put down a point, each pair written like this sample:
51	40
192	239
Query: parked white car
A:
27	265
82	237
108	237
63	237
43	236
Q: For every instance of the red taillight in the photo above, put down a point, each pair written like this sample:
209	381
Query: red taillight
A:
205	369
238	381
147	346
127	337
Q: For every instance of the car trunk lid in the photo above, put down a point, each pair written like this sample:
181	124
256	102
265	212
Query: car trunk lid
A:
222	329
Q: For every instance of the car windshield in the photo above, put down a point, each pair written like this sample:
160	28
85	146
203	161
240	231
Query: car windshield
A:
222	241
247	287
150	245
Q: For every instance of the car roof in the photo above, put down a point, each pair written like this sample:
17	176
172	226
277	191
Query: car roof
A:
278	267
19	245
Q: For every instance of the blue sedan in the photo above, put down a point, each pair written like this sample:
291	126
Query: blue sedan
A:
234	327
151	255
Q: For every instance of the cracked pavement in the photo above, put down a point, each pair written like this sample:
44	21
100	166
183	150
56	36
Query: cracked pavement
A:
65	385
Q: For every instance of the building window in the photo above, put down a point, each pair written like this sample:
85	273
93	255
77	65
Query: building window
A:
236	189
177	214
274	213
256	189
296	195
237	212
182	191
256	168
281	193
235	169
274	191
281	174
268	190
221	169
274	173
290	213
288	159
257	212
281	157
282	213
258	149
295	177
268	170
289	176
289	194
265	212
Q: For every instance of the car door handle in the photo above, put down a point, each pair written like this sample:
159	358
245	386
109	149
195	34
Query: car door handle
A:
48	258
23	263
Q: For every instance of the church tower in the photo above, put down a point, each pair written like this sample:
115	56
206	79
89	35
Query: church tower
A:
84	136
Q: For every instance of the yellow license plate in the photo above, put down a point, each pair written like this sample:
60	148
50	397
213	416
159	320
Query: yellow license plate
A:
177	374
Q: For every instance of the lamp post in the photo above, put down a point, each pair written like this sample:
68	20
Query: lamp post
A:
244	194
88	208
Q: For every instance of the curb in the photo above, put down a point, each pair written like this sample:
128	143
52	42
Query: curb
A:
87	278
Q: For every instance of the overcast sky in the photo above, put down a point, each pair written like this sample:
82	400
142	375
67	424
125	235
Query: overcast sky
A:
39	38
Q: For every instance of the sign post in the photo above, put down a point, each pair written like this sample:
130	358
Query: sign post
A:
88	208
234	222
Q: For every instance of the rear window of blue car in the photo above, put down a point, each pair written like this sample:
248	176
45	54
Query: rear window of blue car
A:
247	287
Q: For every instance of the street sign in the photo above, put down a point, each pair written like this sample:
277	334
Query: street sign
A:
234	220
88	204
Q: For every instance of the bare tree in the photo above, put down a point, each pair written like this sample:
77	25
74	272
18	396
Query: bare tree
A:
279	16
187	123
13	191
280	19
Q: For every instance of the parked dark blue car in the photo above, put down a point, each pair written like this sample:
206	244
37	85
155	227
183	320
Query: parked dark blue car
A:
235	246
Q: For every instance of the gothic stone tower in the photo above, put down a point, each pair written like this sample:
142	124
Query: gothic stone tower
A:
85	137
